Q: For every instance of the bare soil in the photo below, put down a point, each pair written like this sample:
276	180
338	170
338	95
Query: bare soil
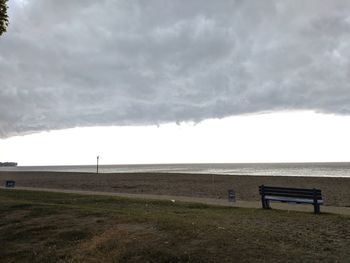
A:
336	191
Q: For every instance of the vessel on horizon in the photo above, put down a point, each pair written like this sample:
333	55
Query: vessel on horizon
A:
8	164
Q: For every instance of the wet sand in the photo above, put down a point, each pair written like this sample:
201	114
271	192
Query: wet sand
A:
336	191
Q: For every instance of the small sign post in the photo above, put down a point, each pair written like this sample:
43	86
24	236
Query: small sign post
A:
231	195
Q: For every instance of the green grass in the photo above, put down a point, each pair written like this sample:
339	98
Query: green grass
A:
54	227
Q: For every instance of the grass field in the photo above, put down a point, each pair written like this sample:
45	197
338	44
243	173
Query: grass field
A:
52	227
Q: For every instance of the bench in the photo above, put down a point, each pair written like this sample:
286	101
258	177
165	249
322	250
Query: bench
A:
290	195
10	183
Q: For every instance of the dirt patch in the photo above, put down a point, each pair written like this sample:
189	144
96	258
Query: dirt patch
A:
116	242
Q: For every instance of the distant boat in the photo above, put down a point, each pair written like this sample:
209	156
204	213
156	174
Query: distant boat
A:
8	164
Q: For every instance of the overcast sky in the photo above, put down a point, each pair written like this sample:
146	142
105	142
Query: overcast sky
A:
81	63
84	63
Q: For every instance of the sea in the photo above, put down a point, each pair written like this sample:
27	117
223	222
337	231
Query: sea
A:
256	169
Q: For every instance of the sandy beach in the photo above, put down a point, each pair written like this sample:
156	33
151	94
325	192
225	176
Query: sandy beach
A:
336	191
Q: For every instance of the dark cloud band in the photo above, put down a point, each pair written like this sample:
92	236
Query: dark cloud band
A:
83	63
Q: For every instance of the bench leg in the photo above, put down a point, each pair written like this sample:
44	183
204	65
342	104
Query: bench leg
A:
316	208
265	203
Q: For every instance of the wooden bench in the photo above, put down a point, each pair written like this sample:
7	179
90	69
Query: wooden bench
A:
290	195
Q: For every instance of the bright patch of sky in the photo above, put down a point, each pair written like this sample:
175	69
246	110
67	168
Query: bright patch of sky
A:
276	137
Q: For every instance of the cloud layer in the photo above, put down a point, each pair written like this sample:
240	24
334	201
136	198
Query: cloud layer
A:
84	63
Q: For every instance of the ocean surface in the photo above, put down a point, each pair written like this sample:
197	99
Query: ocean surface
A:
270	169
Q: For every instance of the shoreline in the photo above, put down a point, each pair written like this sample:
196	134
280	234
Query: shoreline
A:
335	190
314	169
172	173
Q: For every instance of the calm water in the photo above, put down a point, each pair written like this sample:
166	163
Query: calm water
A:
283	169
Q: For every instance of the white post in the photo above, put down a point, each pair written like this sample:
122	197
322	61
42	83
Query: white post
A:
97	164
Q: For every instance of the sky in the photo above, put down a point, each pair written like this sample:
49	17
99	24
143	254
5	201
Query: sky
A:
164	81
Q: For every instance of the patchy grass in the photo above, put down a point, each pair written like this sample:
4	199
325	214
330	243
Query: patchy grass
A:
55	227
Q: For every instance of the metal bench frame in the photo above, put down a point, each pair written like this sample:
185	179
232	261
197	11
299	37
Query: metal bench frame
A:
290	195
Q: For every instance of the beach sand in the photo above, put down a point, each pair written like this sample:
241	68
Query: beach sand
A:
336	191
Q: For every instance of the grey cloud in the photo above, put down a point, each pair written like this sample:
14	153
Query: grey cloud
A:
83	63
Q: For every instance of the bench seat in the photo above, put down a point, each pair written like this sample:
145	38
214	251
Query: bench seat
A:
291	200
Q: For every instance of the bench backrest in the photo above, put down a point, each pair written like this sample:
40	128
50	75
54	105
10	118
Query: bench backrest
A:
291	192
